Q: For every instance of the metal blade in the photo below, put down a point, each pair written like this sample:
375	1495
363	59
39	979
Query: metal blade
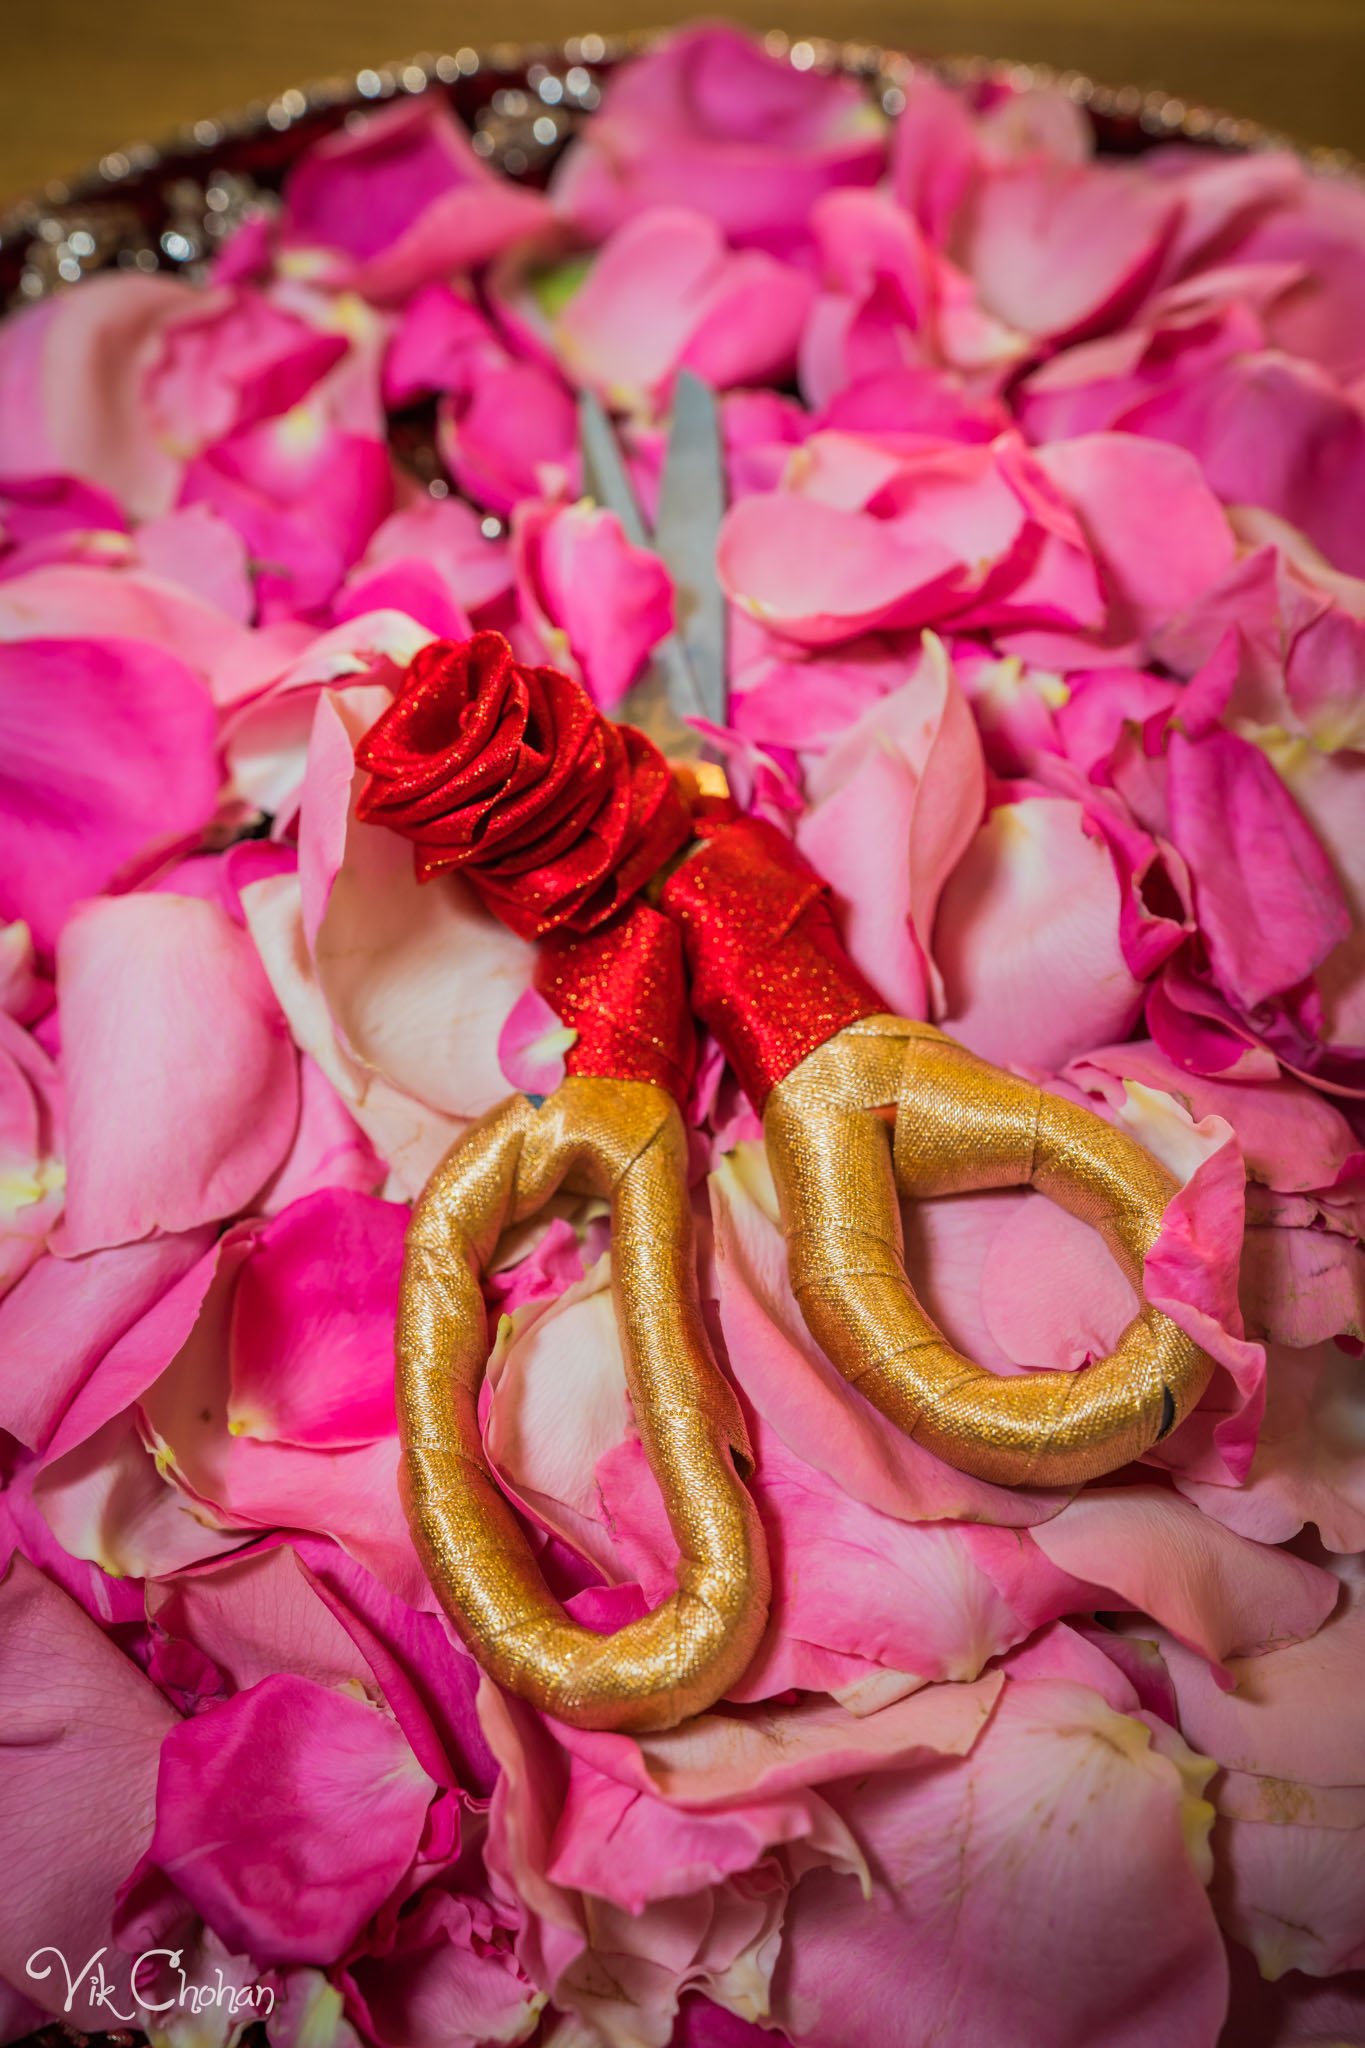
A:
606	479
691	507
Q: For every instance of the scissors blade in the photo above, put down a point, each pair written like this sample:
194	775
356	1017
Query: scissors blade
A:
669	692
605	477
691	507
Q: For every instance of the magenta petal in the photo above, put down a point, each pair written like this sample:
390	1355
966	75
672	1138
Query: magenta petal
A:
313	1323
287	1816
109	748
404	199
166	993
1266	896
532	1045
1269	430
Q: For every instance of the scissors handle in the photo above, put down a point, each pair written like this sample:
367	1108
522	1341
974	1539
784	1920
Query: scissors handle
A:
961	1124
622	1140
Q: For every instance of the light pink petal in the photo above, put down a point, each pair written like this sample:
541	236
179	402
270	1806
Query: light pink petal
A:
348	1494
65	1315
933	1600
709	119
1294	1894
418	978
204	555
828	1425
819	574
1027	939
858	839
1268	902
907	773
82	1730
1291	1137
1051	1294
167	994
935	153
1289	1738
229	359
1215	1591
72	388
1060	250
559	1405
664	292
32	1173
137	768
329	1150
590	594
1321	238
410	1137
287	1816
1063	1835
66	601
107	1502
313	1323
1151	518
1307	1466
251	1617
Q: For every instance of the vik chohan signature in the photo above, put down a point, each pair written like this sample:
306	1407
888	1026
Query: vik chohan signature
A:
156	1983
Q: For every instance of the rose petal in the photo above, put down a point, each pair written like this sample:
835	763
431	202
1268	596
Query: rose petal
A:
167	993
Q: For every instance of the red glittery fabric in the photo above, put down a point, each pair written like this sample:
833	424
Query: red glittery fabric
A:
769	972
512	776
623	988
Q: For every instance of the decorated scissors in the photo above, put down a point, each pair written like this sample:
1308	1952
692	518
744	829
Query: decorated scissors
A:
653	902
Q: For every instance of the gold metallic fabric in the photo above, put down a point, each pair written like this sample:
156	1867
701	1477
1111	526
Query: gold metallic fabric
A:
624	1141
890	1106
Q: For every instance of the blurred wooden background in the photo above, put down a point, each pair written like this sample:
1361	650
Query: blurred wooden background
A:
82	76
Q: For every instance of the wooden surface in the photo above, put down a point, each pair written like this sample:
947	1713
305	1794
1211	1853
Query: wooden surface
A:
82	76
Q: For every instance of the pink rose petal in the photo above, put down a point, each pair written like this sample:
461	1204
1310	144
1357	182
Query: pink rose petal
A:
166	993
136	768
287	1816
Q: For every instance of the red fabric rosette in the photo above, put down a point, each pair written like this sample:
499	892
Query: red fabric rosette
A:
512	776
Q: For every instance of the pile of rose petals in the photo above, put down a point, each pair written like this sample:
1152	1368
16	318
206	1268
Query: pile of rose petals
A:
1046	564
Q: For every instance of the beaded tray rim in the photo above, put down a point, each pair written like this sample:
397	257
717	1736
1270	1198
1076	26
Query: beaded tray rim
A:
1137	116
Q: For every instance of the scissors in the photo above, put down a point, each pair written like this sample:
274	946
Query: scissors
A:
860	1108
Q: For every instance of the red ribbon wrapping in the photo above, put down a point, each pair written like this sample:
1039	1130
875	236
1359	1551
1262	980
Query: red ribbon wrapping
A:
770	975
511	775
623	989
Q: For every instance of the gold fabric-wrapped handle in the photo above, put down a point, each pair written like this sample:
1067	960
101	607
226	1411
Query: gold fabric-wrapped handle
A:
622	1140
961	1124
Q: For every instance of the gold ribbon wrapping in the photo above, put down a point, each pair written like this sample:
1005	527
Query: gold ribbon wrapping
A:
885	1108
622	1140
962	1124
